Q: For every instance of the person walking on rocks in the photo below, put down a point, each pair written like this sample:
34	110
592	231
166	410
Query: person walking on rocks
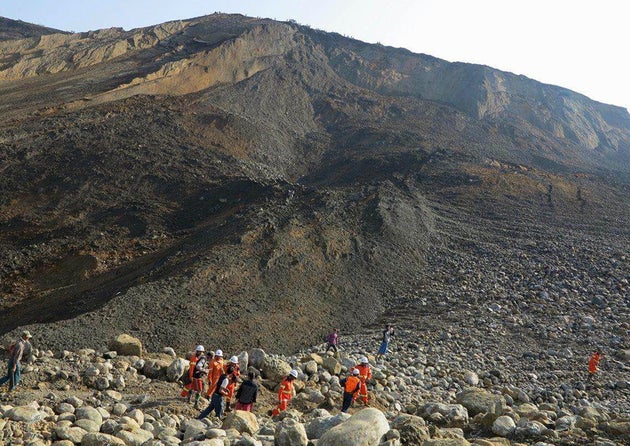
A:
233	379
199	373
285	393
387	338
593	364
21	349
247	393
191	369
215	371
351	386
333	341
365	374
217	401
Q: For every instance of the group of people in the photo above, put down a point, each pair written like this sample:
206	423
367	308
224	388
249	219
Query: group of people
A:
223	376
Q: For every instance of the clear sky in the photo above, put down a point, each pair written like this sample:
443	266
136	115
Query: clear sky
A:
577	44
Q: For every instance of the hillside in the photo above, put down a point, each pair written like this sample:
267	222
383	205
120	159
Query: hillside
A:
277	180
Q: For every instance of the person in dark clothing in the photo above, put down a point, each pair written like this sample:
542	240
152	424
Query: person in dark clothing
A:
247	393
387	338
333	341
217	401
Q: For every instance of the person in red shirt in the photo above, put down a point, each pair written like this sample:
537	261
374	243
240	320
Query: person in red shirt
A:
365	374
593	363
285	393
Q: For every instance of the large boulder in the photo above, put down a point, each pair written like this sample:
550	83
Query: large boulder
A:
135	437
364	428
74	434
126	345
290	432
99	439
275	369
481	401
155	368
257	357
176	369
412	429
332	365
503	426
28	414
242	421
320	425
454	415
89	413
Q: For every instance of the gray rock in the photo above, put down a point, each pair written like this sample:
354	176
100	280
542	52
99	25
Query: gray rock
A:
275	369
100	439
319	425
176	369
481	401
363	428
28	414
257	357
244	422
74	434
89	413
290	432
412	429
503	426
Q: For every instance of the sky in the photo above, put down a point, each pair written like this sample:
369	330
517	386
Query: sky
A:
577	44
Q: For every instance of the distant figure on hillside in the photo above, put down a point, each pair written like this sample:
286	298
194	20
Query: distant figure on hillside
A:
387	337
593	364
247	393
21	349
333	341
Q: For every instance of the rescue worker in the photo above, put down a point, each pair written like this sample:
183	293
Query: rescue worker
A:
247	393
21	349
218	393
593	363
365	374
285	393
199	351
351	387
216	370
199	373
233	380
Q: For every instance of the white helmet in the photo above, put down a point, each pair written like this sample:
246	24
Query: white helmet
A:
200	348
364	360
219	353
293	373
234	360
355	372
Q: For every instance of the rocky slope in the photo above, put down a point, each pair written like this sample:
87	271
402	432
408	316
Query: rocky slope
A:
267	181
128	396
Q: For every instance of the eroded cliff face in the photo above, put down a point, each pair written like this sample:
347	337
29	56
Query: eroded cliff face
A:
148	174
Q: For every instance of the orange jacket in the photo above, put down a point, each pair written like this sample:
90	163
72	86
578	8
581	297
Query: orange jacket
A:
593	362
193	363
352	384
285	393
215	372
365	374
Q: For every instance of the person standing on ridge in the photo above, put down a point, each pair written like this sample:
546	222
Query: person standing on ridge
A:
21	349
247	393
215	372
199	373
333	341
387	337
593	364
233	379
365	374
218	393
285	393
351	386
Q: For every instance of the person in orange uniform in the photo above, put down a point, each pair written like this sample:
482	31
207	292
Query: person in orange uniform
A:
199	351
233	379
215	371
365	374
351	386
593	363
285	393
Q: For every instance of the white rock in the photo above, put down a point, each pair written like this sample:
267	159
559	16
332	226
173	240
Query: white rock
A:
363	428
503	426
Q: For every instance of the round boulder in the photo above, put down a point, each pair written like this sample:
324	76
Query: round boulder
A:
362	429
242	421
126	345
